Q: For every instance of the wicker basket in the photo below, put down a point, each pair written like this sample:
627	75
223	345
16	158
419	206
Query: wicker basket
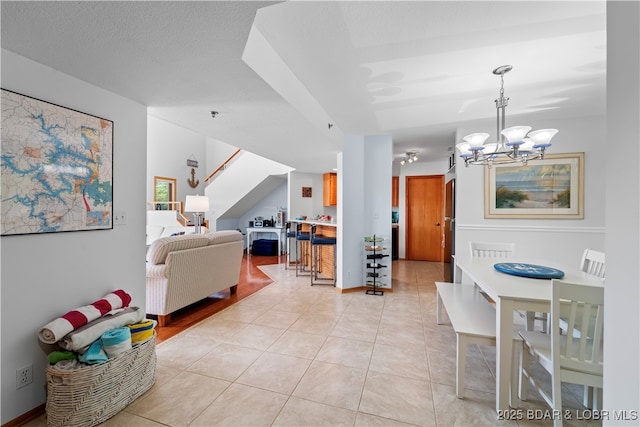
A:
93	394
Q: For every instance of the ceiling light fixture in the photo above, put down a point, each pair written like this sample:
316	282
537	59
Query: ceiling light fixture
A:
214	114
514	144
409	157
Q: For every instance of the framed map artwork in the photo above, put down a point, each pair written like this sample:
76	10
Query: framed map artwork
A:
57	168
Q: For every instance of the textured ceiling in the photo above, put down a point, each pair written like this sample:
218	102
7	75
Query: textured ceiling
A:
278	73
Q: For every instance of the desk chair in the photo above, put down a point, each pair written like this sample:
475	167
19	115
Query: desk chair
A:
565	357
318	240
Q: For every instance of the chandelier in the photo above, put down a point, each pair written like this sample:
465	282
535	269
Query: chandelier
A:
514	144
409	157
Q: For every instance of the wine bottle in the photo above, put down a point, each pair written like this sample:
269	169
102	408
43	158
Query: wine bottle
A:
375	265
376	275
376	256
373	239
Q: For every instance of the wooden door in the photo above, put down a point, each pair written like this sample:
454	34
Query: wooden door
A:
425	217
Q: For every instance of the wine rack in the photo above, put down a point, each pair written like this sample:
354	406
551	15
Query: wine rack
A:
377	264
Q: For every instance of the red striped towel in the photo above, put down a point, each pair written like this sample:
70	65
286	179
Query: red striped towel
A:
53	331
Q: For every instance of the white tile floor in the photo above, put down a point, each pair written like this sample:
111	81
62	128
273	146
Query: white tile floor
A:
296	355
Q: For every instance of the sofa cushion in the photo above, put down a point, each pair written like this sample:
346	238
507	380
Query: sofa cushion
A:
223	236
158	251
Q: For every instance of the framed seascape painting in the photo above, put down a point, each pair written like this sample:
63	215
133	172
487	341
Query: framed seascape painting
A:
549	188
57	168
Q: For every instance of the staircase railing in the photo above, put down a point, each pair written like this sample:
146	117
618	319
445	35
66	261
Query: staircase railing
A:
222	166
173	206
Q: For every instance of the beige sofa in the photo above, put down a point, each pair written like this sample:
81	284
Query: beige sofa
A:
182	270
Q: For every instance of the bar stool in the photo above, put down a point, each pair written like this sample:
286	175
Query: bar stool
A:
302	251
291	234
318	240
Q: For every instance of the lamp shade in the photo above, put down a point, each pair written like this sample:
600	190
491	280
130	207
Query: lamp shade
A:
515	134
476	140
542	137
196	204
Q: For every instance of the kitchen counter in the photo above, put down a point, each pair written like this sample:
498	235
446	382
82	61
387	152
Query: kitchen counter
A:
326	252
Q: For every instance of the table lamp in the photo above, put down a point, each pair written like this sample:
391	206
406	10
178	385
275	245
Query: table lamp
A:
197	205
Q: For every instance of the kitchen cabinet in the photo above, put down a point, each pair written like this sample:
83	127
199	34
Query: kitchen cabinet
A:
330	189
395	191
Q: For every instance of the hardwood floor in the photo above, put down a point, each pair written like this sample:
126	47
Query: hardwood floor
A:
251	280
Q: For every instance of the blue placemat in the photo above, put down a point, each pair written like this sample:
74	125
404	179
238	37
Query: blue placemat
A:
529	270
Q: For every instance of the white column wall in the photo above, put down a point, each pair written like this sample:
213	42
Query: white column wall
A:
364	201
622	295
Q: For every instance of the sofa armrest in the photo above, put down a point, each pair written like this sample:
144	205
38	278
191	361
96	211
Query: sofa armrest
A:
157	270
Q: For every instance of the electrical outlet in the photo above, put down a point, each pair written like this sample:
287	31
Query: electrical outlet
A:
24	376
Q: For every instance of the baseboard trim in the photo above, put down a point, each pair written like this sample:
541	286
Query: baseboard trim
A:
26	417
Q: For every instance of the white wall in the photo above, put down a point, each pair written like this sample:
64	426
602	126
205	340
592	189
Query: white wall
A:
217	153
622	204
533	236
309	206
46	275
168	148
267	207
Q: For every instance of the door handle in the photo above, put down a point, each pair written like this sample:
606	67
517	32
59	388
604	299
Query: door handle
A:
437	224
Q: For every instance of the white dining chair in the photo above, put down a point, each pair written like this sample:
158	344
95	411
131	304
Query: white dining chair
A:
565	357
502	251
489	250
593	262
492	250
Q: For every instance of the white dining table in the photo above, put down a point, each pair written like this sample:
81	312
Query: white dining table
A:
513	293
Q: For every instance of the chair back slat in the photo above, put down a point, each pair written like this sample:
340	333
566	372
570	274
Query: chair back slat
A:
586	308
593	262
491	250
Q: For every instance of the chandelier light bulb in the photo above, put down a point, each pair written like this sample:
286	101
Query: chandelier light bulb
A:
402	162
415	158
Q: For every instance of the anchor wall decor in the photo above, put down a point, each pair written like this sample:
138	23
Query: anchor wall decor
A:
193	182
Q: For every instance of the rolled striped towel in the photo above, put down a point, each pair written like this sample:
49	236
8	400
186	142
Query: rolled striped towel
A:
116	341
80	339
141	332
53	331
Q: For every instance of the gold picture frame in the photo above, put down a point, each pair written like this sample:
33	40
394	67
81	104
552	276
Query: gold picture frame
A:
552	188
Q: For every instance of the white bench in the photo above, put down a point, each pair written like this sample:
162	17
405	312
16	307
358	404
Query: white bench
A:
474	321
